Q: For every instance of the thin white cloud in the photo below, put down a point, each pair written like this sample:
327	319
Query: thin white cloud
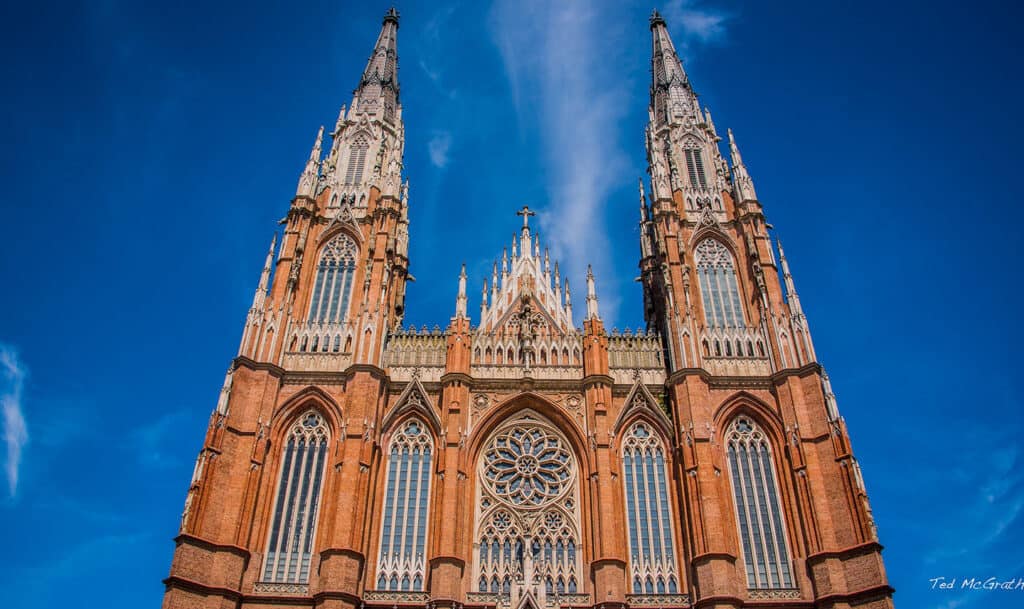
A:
12	382
698	22
556	58
438	147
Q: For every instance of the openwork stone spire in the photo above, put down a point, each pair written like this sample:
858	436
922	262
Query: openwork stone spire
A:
380	78
672	97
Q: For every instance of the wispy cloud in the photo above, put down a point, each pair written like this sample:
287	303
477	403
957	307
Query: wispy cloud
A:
438	146
12	377
698	21
556	57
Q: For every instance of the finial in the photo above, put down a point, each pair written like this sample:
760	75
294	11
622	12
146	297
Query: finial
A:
525	212
314	154
392	16
591	295
711	123
656	18
460	301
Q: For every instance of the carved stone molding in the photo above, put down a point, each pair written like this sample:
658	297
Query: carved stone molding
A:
774	594
658	600
281	588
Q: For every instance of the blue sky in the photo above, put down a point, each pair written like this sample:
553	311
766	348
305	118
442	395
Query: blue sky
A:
150	149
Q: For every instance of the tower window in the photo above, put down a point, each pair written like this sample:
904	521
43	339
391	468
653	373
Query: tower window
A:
356	161
647	512
298	495
758	508
719	289
695	167
333	282
404	532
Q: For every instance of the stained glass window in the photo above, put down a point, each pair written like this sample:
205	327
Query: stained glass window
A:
402	564
290	546
758	507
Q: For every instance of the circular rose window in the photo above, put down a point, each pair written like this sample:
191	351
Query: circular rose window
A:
527	465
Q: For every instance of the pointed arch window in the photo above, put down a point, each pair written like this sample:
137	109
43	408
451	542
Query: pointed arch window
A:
652	556
402	564
719	289
293	525
695	167
356	160
758	507
333	283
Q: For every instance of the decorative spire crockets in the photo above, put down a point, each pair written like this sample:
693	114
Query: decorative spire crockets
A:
672	97
742	181
310	175
380	78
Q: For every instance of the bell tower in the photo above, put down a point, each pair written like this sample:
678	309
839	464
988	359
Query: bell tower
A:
313	340
741	364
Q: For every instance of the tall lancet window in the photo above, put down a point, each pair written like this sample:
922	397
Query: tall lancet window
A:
356	160
652	559
758	507
695	167
333	282
402	564
719	289
527	513
293	524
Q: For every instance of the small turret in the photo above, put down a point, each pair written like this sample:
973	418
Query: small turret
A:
741	179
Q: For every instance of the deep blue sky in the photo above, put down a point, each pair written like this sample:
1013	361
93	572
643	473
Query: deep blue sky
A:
149	151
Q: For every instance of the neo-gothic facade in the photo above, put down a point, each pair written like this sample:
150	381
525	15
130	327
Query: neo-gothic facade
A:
521	460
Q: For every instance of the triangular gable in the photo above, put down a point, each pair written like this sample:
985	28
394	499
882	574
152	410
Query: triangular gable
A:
640	399
414	398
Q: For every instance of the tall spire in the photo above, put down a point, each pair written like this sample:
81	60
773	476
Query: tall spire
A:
591	295
672	97
460	300
378	88
741	179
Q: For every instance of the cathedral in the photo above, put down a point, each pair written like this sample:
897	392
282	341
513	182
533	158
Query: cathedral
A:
518	460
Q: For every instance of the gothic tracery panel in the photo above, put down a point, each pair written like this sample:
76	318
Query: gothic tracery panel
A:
528	515
648	516
333	283
719	289
290	543
402	563
758	506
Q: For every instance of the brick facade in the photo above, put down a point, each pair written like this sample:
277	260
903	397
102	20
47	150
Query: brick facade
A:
366	376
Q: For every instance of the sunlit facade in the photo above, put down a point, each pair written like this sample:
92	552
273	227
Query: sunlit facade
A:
526	456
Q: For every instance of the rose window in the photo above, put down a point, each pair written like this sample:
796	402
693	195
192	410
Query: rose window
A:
527	466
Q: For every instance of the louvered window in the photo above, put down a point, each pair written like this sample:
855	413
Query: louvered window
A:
695	167
356	161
